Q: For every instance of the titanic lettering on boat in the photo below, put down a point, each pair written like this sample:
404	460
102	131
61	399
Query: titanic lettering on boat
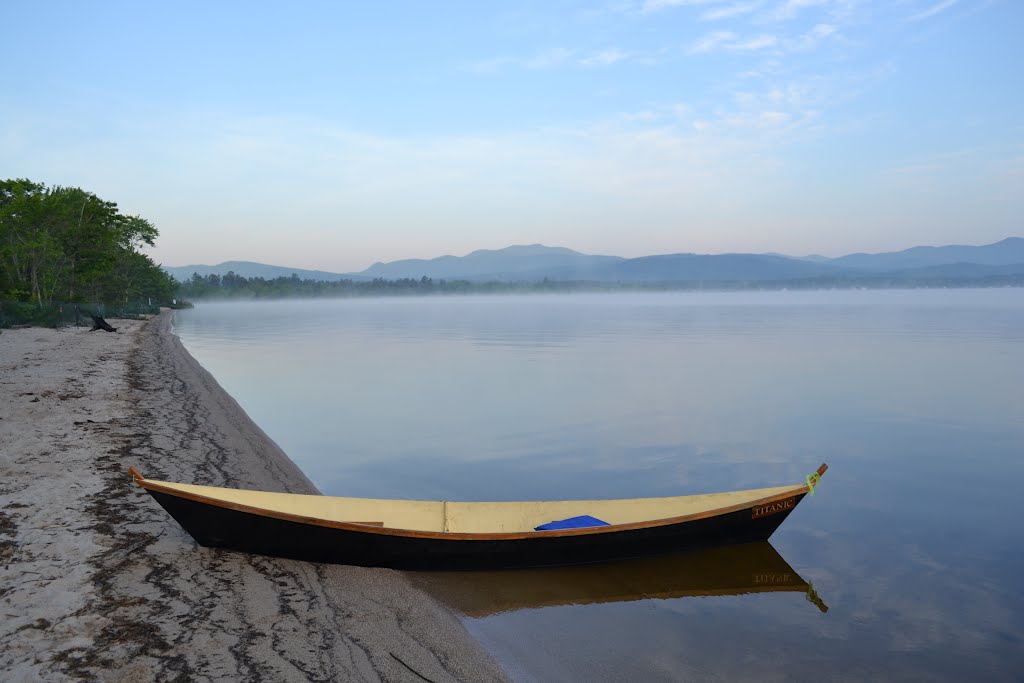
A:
773	508
772	578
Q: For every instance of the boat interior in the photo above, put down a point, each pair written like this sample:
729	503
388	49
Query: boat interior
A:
475	517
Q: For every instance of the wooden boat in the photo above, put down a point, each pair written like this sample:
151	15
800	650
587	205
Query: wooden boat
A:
413	534
731	570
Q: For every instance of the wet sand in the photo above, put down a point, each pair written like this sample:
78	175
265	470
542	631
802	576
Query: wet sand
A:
97	582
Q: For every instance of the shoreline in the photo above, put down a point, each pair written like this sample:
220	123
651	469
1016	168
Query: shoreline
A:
99	583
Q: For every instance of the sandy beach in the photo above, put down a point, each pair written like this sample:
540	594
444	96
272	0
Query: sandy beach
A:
99	583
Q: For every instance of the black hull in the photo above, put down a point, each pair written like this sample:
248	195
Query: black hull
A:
221	527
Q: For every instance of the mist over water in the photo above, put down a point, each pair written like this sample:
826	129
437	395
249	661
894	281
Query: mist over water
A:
914	398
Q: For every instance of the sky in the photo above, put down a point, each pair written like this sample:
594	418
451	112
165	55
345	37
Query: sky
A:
332	135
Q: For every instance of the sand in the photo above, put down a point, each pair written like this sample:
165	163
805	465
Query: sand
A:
97	582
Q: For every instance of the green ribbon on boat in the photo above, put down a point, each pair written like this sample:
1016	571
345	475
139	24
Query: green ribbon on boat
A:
812	480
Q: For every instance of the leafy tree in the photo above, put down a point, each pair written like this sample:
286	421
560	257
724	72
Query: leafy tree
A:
67	244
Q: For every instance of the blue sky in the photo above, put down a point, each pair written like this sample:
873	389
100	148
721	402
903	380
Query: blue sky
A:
331	135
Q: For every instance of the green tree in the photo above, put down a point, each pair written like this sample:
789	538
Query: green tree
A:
23	243
64	243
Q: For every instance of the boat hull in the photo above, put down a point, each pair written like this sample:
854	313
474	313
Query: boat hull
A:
217	526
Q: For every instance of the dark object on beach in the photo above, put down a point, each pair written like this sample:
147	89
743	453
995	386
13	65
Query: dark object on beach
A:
98	323
414	534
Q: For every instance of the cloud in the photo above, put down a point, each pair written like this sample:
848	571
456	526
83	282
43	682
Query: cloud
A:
605	57
822	31
933	10
548	58
756	43
774	118
727	40
791	8
544	59
556	57
814	37
730	11
646	115
712	41
559	56
650	6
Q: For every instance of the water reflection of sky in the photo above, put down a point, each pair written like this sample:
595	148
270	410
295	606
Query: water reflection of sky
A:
914	398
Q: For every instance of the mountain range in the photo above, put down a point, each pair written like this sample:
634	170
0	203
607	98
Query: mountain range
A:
533	263
251	269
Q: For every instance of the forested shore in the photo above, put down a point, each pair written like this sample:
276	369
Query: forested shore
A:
234	286
64	245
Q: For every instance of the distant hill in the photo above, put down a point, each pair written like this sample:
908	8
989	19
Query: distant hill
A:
249	269
1006	252
536	262
511	263
704	267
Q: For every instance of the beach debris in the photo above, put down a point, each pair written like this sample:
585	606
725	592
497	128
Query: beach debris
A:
98	323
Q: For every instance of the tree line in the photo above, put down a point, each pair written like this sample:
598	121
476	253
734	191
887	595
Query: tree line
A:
65	244
234	286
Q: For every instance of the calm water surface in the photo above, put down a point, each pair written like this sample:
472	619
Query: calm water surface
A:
913	544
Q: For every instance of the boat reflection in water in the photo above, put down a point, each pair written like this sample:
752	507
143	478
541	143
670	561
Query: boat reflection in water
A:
727	570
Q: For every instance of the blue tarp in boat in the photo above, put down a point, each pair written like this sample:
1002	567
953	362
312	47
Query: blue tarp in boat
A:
572	523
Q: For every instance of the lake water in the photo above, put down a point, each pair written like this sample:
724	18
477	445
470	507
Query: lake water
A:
905	565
